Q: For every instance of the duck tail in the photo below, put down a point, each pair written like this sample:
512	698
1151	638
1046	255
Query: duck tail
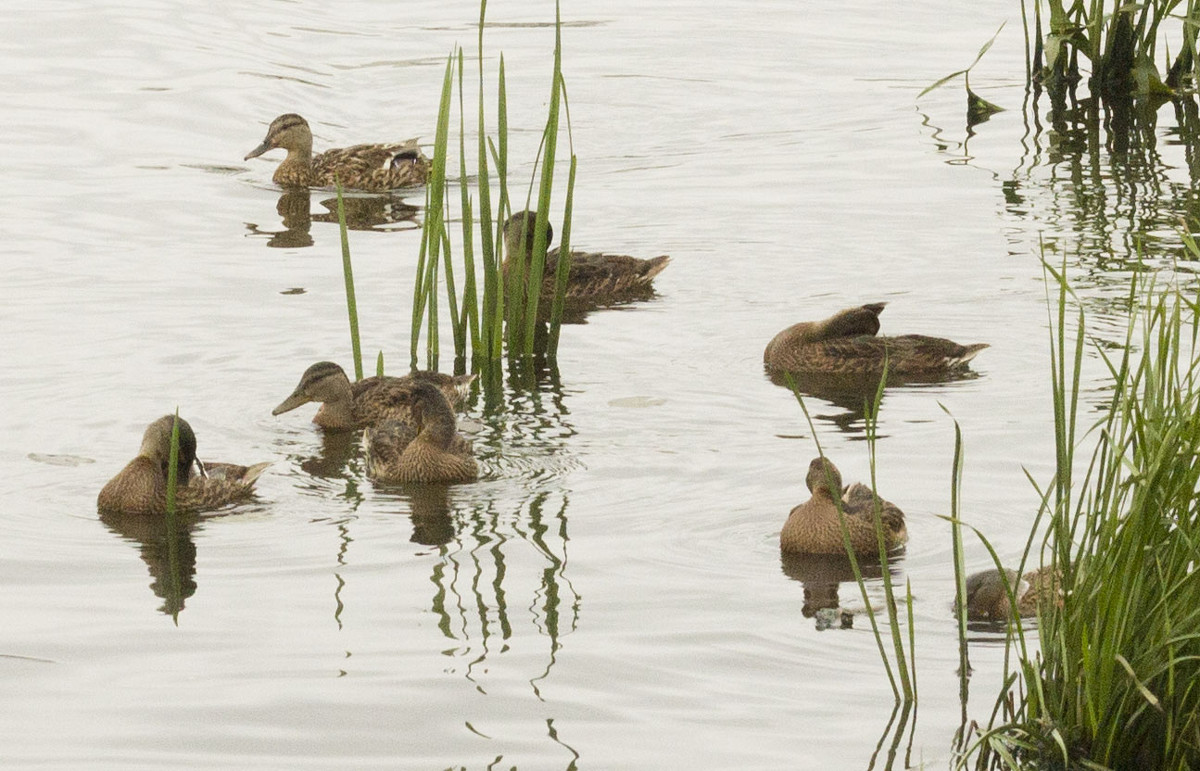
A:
654	266
254	472
968	352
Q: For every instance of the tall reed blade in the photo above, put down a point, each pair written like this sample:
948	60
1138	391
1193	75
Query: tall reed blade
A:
174	564
433	233
348	274
545	188
563	273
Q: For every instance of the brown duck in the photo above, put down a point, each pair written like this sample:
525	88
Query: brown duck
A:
426	448
847	343
141	487
346	405
593	278
988	600
373	168
813	527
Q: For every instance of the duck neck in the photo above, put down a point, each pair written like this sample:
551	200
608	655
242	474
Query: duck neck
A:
824	494
337	408
296	168
435	423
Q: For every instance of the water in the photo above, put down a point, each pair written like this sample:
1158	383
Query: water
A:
611	593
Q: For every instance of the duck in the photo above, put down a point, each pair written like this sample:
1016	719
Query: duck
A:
425	448
988	600
141	487
813	527
374	168
350	406
847	343
594	277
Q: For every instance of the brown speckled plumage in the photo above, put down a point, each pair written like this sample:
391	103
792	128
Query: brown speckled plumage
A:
988	600
426	449
594	277
847	343
141	487
813	527
372	168
346	405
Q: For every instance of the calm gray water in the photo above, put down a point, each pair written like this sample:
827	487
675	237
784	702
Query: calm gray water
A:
611	594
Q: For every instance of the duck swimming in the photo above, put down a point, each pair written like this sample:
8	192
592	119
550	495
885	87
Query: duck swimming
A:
374	168
426	448
813	527
846	343
988	600
594	277
141	487
346	405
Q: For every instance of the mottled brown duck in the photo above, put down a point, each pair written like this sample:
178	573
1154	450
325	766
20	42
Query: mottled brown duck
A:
346	405
141	487
813	527
426	448
594	277
847	343
988	600
374	168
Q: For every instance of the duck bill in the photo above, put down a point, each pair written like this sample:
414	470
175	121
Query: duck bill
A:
266	145
290	403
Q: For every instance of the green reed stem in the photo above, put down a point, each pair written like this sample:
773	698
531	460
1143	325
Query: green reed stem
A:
420	296
469	323
434	235
174	566
562	276
348	274
545	188
499	151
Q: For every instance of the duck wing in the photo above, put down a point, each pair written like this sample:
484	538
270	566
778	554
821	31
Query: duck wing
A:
601	275
374	167
914	354
859	501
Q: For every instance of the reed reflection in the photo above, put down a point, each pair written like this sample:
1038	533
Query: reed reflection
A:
904	716
174	582
363	212
1101	185
505	572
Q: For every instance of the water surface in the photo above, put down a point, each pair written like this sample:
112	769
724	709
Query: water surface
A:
611	593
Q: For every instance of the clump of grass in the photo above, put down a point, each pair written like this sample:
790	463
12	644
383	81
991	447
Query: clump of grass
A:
1115	678
1117	41
506	316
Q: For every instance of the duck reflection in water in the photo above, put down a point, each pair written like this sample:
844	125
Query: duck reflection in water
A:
150	534
821	576
363	212
429	510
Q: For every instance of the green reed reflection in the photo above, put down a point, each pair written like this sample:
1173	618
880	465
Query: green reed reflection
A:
502	556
